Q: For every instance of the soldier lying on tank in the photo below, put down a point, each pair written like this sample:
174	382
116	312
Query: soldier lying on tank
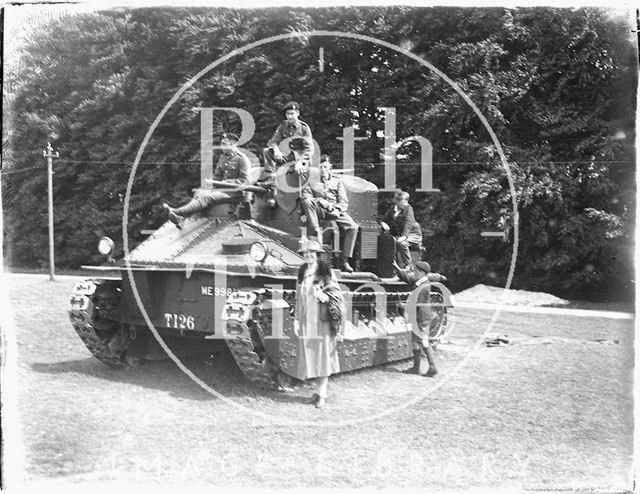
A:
327	199
415	275
232	167
291	127
400	222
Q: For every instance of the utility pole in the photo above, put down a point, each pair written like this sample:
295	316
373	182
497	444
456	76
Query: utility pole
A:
49	154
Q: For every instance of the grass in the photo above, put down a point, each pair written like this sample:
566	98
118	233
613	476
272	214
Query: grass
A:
551	410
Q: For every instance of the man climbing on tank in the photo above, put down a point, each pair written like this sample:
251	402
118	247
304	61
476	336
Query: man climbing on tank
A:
232	167
415	275
400	222
327	199
292	126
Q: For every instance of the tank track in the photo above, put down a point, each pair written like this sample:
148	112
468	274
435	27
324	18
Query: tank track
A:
260	371
95	316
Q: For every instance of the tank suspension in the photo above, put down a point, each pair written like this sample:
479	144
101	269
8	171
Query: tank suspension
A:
356	295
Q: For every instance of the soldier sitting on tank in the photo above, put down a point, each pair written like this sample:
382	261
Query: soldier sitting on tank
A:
232	167
400	222
415	275
291	127
327	199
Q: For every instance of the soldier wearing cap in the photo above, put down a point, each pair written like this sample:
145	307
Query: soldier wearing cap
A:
415	275
291	127
232	167
327	199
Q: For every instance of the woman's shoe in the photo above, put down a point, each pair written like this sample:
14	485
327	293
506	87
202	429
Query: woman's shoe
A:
321	402
314	399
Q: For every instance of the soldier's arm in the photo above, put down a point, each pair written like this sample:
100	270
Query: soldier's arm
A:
217	173
342	202
308	139
387	215
308	191
244	166
409	220
403	274
276	138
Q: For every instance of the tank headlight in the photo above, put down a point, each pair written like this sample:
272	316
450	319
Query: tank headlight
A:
105	246
258	251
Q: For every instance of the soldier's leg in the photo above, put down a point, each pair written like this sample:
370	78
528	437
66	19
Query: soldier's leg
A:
350	228
420	332
269	161
416	346
197	203
201	200
424	316
428	350
311	210
403	255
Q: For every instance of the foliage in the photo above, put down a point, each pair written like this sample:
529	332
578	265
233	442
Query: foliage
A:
556	86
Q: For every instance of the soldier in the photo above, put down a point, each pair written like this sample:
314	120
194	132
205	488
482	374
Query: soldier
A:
415	276
327	199
291	127
232	167
400	222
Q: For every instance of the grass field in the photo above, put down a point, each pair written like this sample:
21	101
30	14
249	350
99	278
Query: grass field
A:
552	410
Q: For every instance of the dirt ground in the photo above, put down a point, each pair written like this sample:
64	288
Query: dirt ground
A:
551	410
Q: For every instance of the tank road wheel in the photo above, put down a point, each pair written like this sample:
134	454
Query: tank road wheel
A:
131	360
94	311
439	320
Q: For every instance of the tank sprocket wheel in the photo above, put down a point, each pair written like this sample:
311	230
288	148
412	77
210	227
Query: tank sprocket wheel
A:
258	370
95	317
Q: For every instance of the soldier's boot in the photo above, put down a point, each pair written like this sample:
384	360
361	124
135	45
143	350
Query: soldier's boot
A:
344	264
416	363
174	218
432	364
176	215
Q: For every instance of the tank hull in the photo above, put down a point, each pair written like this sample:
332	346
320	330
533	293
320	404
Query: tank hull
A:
252	316
204	283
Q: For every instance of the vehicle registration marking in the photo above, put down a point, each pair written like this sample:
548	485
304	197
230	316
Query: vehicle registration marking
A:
215	291
179	321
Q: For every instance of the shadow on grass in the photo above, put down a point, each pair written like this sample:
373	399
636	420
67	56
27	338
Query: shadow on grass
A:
219	371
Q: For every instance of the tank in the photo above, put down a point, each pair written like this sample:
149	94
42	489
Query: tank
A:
228	277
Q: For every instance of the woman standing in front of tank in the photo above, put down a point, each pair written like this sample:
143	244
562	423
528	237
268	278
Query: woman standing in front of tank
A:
320	313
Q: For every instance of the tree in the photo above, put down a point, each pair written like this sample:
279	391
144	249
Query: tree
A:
555	86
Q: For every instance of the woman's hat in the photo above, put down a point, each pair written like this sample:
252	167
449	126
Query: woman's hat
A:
310	246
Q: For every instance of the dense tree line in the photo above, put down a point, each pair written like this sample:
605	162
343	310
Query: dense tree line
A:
556	86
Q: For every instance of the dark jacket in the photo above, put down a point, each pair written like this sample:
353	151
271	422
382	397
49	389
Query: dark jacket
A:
402	224
335	309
